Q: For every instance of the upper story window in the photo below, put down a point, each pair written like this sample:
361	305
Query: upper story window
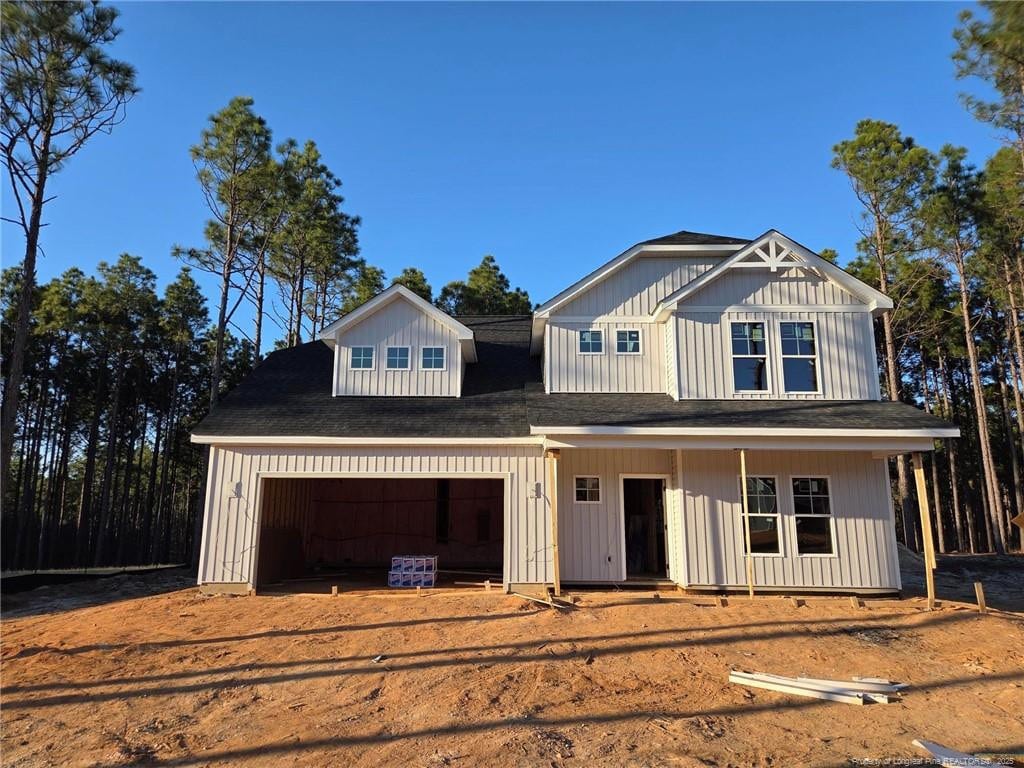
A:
749	357
398	359
799	357
763	512
627	342
432	359
362	358
588	490
591	342
812	507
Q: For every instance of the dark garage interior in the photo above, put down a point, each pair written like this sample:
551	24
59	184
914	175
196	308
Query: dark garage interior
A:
351	527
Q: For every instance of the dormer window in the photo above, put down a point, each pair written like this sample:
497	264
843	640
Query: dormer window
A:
433	359
362	358
591	342
398	359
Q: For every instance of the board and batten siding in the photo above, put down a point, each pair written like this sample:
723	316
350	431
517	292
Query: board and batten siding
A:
637	288
234	497
847	366
590	536
712	525
399	324
569	371
792	287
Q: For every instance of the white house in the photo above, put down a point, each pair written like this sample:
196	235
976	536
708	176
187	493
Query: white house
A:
603	439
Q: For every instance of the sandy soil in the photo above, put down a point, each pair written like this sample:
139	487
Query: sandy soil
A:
468	678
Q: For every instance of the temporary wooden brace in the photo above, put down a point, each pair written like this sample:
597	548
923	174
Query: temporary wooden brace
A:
334	590
746	521
926	529
979	592
552	456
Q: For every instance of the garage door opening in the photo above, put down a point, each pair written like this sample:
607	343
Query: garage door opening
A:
350	528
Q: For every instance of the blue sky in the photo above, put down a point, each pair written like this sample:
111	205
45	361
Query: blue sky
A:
550	135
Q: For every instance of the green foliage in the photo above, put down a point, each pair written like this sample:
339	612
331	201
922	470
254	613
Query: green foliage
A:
486	291
415	281
888	172
60	87
830	255
992	49
368	283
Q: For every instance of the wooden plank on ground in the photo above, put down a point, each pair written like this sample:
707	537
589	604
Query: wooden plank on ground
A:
752	680
949	757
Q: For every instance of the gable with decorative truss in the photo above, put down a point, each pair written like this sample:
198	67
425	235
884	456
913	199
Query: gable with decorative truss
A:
786	261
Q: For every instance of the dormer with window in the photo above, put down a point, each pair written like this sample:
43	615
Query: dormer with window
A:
398	345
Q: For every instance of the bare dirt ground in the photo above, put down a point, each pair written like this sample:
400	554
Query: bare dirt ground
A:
468	678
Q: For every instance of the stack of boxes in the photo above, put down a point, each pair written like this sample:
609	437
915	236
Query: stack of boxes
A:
412	571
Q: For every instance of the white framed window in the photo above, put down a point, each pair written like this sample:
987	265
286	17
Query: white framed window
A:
812	510
749	357
397	359
591	342
799	346
763	509
627	341
433	359
361	358
587	489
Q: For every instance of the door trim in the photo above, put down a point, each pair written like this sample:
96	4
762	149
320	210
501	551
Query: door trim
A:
665	477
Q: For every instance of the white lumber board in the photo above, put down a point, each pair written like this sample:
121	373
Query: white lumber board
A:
858	684
744	678
949	757
833	686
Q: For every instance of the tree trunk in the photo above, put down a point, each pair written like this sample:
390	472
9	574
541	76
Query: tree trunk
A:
12	384
107	481
994	506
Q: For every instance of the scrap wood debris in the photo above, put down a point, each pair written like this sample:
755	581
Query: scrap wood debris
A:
859	690
949	757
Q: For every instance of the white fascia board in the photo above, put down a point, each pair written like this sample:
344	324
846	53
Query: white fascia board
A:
876	301
877	447
299	440
384	298
932	434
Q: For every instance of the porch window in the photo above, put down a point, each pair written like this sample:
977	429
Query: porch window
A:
763	510
398	358
588	490
812	507
799	357
433	358
362	358
591	342
749	357
627	342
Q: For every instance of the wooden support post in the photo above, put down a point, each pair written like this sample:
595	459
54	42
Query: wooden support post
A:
926	528
487	585
334	590
979	592
552	456
746	521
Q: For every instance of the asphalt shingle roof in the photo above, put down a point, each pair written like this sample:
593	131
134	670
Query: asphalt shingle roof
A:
289	394
652	410
683	237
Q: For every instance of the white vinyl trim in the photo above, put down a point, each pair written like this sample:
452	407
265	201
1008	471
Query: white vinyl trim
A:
298	440
745	431
386	297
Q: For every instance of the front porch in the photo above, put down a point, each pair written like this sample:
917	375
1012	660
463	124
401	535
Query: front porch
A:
820	520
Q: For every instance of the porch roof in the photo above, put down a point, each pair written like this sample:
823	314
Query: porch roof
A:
657	414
